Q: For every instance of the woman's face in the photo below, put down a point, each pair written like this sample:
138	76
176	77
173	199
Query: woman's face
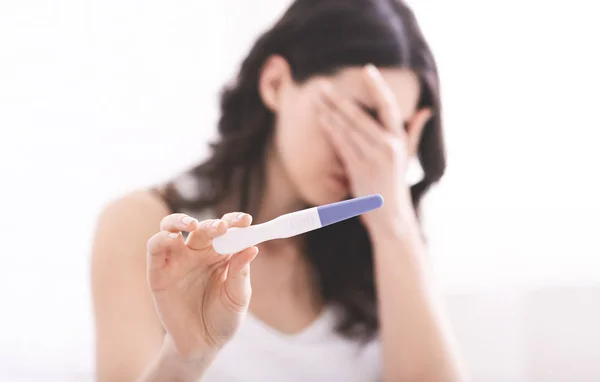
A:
301	145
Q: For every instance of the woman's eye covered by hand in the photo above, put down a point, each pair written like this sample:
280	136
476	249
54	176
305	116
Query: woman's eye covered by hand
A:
335	105
330	100
370	111
375	114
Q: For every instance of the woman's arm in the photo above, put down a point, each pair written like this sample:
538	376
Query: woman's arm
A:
414	332
130	340
417	341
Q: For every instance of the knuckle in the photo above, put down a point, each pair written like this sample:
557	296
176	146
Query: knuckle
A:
389	149
205	224
398	149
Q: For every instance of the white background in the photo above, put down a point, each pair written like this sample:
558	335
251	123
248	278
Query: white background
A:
98	98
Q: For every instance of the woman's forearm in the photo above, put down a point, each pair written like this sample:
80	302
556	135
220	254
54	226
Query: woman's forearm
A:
171	366
416	338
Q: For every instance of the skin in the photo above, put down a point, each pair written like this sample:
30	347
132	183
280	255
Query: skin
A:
197	299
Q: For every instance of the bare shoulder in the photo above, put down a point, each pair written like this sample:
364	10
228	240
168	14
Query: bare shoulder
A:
139	205
129	221
137	211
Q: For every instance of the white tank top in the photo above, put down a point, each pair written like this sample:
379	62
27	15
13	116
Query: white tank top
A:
317	354
260	353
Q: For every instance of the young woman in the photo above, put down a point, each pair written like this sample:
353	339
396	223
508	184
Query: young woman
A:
332	102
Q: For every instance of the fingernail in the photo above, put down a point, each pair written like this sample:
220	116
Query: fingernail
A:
240	216
173	235
216	223
187	220
371	69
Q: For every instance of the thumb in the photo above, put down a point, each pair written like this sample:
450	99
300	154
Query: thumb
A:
238	276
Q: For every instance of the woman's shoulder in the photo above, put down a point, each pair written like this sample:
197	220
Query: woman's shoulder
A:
137	205
127	222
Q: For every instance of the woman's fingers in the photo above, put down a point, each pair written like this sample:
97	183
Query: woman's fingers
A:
237	286
161	245
384	97
206	230
355	117
343	122
237	219
239	263
178	223
169	239
349	152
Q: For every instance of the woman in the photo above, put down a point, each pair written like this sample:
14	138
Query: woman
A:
331	103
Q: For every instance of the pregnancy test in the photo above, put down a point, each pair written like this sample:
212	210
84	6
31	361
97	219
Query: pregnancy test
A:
294	223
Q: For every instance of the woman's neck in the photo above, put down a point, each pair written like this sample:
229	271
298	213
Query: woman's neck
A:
278	197
278	193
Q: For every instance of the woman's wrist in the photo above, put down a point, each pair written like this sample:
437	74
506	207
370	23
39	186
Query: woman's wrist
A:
174	365
393	223
201	353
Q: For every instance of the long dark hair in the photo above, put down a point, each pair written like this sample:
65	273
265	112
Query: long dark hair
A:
319	37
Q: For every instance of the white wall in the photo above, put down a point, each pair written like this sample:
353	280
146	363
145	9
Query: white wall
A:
99	97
